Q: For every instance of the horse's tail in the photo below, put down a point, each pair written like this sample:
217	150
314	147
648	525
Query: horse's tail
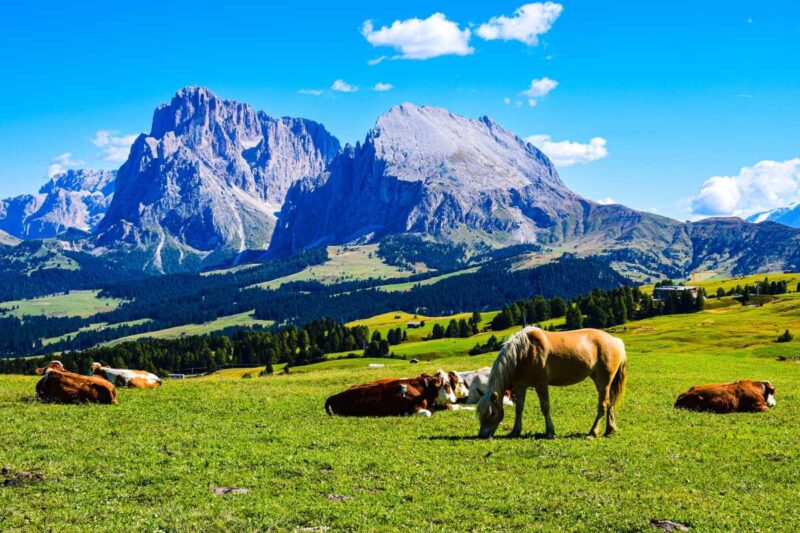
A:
620	379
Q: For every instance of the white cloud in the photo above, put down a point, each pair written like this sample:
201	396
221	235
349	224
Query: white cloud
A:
310	92
606	201
539	88
61	163
566	153
766	185
343	87
507	100
526	25
373	62
114	147
420	38
382	87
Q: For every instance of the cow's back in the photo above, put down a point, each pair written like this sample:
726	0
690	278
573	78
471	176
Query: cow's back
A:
382	398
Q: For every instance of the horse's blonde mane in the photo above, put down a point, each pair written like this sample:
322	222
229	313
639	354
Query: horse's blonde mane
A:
504	367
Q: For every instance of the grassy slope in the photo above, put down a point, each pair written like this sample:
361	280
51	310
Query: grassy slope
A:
242	319
407	286
346	263
76	303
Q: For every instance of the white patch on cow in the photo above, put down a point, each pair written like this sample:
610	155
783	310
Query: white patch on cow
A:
771	400
445	394
423	412
114	375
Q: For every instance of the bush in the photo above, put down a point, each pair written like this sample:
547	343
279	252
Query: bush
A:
247	375
786	337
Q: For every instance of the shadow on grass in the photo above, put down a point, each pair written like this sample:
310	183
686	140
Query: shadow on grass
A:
526	436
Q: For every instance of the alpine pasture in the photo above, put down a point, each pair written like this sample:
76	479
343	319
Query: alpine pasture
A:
155	460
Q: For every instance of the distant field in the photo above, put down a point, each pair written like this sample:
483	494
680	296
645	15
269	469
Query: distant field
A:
346	263
711	284
407	286
242	319
75	303
153	461
400	319
95	327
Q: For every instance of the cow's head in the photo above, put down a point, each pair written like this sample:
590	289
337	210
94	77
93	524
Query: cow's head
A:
459	389
769	394
490	413
52	365
456	383
444	392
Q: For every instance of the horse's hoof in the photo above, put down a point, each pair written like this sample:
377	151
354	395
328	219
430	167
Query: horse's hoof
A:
514	434
590	436
609	433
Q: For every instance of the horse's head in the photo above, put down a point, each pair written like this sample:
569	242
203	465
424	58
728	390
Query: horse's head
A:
490	414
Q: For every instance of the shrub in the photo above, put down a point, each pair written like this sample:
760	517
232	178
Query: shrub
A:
786	337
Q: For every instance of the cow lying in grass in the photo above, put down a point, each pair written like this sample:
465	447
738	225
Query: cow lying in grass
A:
470	386
58	385
122	377
393	397
741	396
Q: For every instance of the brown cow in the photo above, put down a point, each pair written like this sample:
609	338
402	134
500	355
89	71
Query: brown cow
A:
58	385
393	397
741	396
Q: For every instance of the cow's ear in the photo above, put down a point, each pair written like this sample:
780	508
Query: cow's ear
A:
494	396
39	371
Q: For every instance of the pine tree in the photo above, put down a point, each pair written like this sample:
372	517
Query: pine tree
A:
574	317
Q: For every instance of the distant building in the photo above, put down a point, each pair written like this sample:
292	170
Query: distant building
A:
663	293
413	324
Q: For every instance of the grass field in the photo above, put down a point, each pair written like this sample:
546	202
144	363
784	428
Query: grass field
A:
245	319
346	263
75	303
153	461
407	286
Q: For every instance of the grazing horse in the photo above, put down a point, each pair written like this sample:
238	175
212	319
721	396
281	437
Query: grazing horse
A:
536	358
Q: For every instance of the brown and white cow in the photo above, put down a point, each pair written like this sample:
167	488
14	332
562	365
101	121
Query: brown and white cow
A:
741	396
393	397
471	385
58	385
123	377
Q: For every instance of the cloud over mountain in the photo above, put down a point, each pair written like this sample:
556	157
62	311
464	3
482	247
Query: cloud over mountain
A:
764	186
526	25
420	38
566	153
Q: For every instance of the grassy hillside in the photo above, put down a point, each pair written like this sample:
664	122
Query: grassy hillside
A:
346	263
74	303
245	319
153	461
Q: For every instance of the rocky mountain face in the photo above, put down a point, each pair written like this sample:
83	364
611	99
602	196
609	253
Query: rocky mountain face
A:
76	199
207	181
788	216
426	171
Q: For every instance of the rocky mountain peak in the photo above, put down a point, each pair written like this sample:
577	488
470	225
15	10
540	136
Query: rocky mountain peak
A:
430	143
208	180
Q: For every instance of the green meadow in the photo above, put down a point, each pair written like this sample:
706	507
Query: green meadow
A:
154	461
73	303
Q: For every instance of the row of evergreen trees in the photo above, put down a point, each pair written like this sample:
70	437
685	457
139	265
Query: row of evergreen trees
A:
598	309
457	329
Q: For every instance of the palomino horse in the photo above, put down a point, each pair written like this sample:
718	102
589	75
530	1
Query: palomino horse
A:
536	358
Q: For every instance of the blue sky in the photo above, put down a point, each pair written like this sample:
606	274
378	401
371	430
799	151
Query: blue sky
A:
679	92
